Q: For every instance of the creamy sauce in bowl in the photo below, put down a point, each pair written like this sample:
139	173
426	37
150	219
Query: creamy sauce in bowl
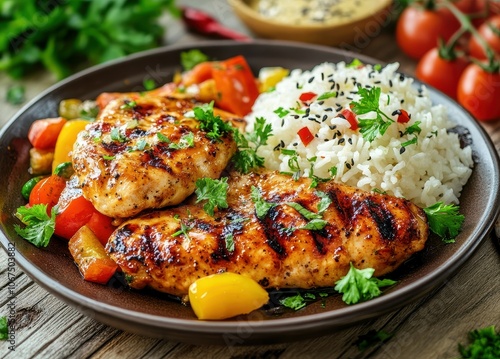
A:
314	12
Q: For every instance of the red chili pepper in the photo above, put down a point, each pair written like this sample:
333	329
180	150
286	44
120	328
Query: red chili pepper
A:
307	96
351	118
403	116
305	135
202	23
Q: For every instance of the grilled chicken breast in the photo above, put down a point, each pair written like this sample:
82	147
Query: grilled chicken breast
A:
170	249
144	153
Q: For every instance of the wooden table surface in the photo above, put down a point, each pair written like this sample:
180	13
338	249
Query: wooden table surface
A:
430	327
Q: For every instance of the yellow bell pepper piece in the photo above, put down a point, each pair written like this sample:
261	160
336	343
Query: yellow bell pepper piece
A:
225	295
270	76
65	141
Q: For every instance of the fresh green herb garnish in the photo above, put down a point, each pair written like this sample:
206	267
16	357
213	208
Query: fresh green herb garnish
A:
298	301
293	163
39	225
149	84
128	105
191	58
89	110
355	63
412	130
246	158
445	220
15	94
358	285
108	158
63	35
333	171
229	239
186	141
326	95
315	180
261	206
315	221
184	231
4	328
281	112
369	102
212	191
117	135
213	125
484	344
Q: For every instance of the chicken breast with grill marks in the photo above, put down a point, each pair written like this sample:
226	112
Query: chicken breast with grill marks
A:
144	153
168	250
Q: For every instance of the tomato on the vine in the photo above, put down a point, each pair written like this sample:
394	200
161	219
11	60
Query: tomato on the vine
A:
490	32
441	73
419	29
479	92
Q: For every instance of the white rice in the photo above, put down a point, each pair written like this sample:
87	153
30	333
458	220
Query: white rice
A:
433	170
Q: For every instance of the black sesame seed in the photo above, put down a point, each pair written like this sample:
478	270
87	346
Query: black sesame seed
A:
332	127
322	76
349	140
341	141
390	83
348	165
294	144
376	82
397	112
338	109
282	122
296	117
325	117
402	150
310	80
321	103
328	109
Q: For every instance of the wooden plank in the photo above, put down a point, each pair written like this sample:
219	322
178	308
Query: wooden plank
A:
126	346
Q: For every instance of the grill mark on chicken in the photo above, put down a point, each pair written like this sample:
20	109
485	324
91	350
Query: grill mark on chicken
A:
383	218
266	249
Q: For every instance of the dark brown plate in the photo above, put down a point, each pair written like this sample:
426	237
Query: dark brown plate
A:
156	315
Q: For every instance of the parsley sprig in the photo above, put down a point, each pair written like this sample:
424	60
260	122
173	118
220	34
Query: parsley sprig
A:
39	225
370	128
484	344
445	220
358	285
261	205
246	158
214	192
213	125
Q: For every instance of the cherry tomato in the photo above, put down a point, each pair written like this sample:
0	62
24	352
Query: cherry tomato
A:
305	135
236	85
47	191
307	96
490	31
418	30
351	118
198	74
43	133
101	225
479	93
441	73
73	215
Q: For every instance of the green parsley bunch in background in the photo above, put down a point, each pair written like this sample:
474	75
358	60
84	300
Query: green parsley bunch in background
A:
64	35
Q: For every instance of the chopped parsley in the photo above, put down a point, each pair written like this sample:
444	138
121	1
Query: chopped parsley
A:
118	136
358	285
214	126
356	63
281	112
445	220
293	163
326	95
261	206
128	105
369	102
149	84
229	239
484	344
246	158
184	231
191	58
298	301
186	141
39	225
214	192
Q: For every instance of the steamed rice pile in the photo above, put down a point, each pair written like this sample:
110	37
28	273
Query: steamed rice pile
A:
433	170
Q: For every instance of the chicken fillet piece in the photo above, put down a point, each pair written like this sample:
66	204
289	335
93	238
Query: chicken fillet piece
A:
143	152
168	250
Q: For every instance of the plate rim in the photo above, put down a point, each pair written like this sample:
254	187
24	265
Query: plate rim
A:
384	304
